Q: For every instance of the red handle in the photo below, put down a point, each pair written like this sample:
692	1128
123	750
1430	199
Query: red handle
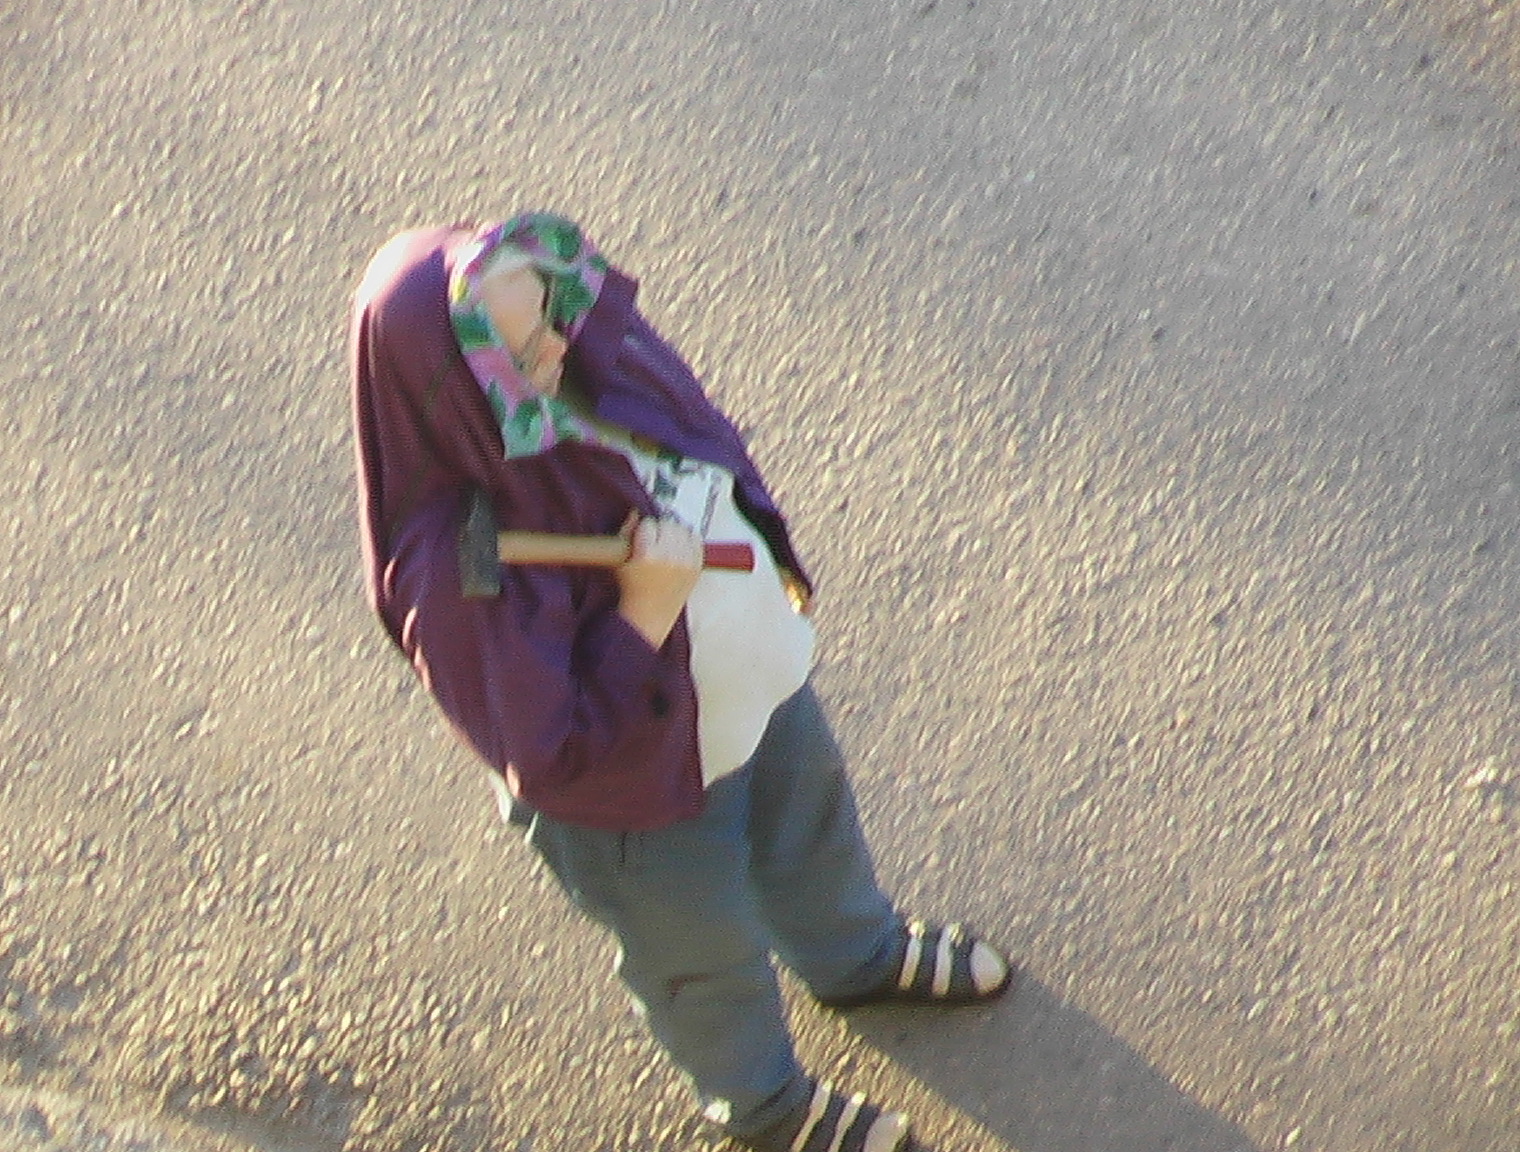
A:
735	557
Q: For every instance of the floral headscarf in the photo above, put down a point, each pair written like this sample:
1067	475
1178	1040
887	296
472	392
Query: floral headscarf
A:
574	271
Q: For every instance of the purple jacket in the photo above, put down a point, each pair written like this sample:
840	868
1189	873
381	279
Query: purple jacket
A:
546	682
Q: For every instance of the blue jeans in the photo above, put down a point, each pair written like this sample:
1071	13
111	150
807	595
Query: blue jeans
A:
776	863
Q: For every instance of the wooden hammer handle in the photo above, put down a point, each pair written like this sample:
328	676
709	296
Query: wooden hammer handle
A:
605	551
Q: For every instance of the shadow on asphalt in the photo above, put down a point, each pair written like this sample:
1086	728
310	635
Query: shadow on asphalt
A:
1046	1077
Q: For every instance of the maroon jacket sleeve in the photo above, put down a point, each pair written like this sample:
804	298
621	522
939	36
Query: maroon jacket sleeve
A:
549	683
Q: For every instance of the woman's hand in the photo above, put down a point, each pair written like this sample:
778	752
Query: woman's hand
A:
662	568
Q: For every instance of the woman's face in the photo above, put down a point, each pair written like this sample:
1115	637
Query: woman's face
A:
515	302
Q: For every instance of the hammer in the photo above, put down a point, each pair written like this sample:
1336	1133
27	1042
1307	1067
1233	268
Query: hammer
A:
483	550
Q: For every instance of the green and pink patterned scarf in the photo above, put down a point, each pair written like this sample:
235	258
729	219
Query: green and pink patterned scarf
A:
574	271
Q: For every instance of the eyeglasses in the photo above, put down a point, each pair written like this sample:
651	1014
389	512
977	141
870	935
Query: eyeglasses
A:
525	359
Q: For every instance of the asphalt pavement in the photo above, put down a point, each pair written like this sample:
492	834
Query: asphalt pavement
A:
1143	384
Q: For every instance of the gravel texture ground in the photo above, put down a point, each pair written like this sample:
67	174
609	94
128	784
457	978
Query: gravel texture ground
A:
1143	381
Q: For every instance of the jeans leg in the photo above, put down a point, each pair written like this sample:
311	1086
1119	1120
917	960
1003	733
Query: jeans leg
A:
831	922
693	950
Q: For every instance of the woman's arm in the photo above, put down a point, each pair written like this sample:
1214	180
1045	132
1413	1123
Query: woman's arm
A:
570	683
658	577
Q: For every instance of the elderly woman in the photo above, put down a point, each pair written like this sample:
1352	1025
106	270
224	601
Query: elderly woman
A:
650	723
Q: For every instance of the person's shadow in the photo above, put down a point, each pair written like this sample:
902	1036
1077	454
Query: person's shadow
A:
1045	1077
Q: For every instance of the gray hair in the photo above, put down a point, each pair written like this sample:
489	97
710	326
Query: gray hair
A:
509	258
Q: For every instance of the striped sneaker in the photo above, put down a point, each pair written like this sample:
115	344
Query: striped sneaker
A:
938	965
833	1122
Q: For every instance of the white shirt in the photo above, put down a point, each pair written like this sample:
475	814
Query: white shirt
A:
750	648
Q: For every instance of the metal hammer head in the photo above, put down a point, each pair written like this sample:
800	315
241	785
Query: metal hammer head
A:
479	559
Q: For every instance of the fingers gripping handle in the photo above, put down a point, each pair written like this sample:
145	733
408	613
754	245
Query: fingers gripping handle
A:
482	549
